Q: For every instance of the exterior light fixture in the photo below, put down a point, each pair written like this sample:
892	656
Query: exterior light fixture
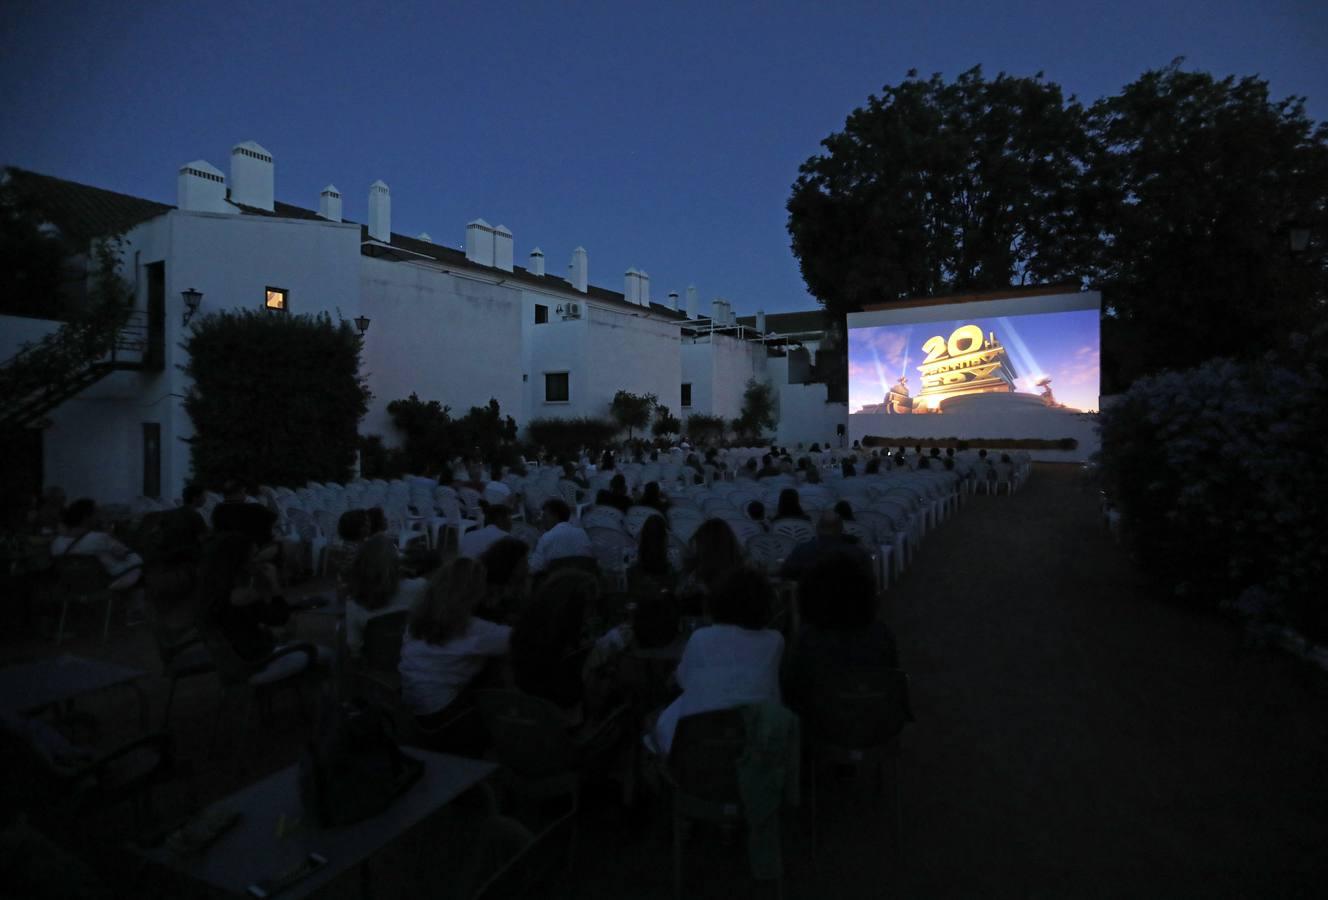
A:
362	323
192	300
559	310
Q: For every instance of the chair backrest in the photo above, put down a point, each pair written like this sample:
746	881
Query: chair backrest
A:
799	530
744	529
529	734
636	518
703	760
382	640
769	550
602	517
858	708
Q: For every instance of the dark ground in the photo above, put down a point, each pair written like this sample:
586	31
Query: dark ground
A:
1075	737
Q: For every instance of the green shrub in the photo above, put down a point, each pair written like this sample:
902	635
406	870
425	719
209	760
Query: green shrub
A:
565	437
275	399
1216	471
665	423
432	436
705	429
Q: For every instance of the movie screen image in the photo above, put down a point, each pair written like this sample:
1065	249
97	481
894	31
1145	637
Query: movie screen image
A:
913	368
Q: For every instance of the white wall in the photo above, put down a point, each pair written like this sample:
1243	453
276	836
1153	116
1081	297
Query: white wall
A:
444	337
805	417
15	331
1031	422
605	351
94	445
718	368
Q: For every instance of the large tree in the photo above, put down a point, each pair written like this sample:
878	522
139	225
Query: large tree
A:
937	186
1202	182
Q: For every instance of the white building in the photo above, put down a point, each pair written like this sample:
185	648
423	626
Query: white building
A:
457	326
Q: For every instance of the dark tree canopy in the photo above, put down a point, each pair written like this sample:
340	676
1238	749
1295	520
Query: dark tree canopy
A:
1201	181
937	186
632	411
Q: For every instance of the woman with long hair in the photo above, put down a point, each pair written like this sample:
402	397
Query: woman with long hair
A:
548	641
711	553
446	646
790	507
374	587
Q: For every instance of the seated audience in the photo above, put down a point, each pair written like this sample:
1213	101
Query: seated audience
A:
830	540
446	646
616	496
496	493
768	468
848	470
549	644
652	496
652	571
790	506
731	663
507	582
711	553
236	595
844	510
81	535
375	587
183	529
748	469
840	632
497	524
238	512
563	539
756	512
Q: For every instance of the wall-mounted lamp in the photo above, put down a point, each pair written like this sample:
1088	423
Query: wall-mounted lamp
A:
192	300
362	323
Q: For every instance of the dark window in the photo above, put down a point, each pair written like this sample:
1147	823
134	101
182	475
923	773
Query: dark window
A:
541	314
555	387
275	300
154	355
686	395
151	459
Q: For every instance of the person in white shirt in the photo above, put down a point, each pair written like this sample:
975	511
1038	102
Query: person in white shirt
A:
375	588
80	536
562	540
732	662
445	647
497	524
495	492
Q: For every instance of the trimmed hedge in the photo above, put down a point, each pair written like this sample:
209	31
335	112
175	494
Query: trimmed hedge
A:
275	399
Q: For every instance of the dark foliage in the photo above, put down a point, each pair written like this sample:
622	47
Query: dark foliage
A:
564	437
632	411
758	411
432	436
705	429
275	399
666	423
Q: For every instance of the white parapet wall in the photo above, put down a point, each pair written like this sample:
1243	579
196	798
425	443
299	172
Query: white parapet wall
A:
988	416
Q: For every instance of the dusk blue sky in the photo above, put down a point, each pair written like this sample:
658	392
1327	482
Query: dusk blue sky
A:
663	136
1063	345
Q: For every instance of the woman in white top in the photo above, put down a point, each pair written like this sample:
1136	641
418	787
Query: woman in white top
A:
445	646
732	662
80	536
374	587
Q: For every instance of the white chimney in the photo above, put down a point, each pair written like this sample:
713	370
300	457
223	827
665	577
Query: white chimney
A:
760	321
632	286
578	273
717	312
693	308
200	187
502	248
536	264
424	236
380	212
251	176
673	300
729	320
479	242
329	203
645	288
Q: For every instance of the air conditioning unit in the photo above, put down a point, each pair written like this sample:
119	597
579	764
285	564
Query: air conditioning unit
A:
572	311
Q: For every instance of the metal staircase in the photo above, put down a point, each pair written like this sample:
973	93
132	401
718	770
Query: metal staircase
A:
81	361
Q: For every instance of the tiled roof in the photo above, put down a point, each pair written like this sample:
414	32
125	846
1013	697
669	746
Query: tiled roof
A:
80	211
789	323
454	258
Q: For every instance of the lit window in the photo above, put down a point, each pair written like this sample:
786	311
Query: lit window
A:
276	300
555	387
686	395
